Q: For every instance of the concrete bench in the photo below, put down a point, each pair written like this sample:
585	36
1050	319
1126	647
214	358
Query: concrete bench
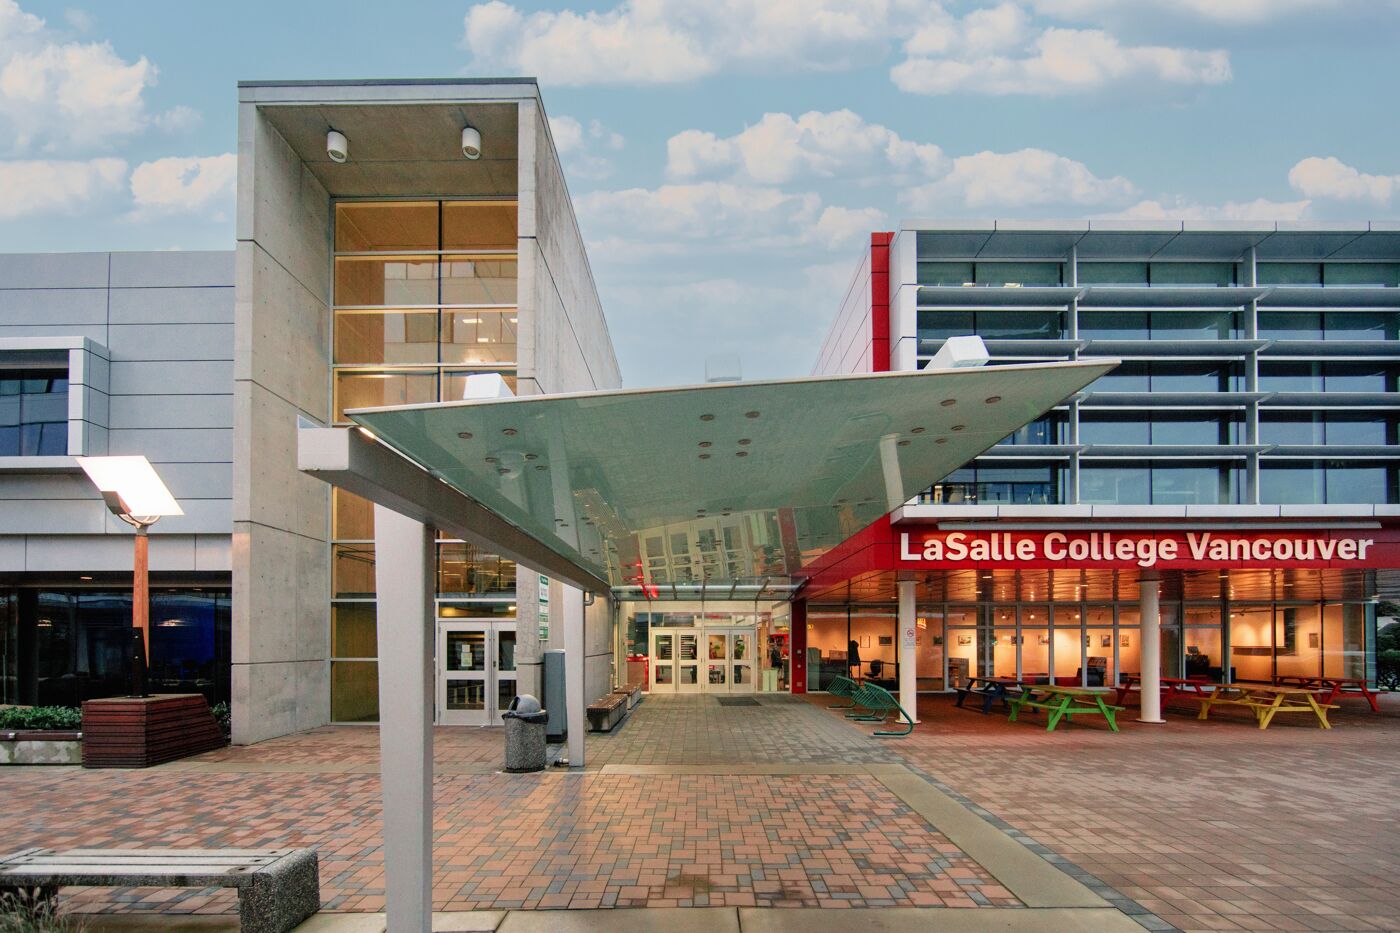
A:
277	888
606	712
632	693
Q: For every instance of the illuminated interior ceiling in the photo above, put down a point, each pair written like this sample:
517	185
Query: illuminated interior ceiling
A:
754	478
1073	586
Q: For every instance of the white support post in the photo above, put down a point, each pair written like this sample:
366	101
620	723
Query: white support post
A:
908	649
1150	638
403	576
571	617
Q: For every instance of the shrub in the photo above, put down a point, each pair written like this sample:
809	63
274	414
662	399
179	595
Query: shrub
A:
223	717
1388	670
19	915
41	717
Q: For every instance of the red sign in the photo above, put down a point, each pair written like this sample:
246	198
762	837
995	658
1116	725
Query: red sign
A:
1162	550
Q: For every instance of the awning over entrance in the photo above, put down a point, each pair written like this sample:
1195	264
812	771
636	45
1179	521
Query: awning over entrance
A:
759	477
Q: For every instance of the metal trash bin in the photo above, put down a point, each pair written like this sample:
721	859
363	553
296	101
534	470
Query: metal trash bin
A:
525	722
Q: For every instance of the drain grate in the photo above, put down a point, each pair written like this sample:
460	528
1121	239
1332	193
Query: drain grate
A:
737	701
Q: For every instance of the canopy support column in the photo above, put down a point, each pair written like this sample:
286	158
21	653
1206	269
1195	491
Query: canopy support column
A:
1150	636
403	575
908	649
572	618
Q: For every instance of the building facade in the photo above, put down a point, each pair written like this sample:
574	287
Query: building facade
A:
1251	423
387	277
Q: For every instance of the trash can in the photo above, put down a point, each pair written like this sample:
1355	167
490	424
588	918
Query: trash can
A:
524	723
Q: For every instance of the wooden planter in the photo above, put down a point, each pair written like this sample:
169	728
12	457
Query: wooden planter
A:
137	732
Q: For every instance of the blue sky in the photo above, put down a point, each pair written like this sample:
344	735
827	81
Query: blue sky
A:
728	157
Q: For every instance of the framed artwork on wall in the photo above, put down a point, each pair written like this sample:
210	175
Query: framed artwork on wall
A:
1125	641
964	639
865	641
886	641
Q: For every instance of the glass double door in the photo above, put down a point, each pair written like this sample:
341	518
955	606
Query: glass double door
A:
476	676
703	660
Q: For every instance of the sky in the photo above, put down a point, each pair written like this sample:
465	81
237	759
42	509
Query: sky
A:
728	159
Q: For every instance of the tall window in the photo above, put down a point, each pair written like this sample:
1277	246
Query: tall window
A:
33	413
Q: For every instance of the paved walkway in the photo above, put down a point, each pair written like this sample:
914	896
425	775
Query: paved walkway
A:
787	805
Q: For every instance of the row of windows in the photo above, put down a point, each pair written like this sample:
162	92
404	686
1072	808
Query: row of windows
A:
1173	376
1280	483
938	324
1284	428
1161	274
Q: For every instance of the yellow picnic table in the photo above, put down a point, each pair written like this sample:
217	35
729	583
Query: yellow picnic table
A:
1266	701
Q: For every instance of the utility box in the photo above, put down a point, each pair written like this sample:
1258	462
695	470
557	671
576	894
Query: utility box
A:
556	729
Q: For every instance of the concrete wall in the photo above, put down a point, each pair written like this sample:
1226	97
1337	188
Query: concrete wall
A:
157	379
281	517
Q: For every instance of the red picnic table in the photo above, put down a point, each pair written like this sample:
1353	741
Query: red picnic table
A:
1189	687
1329	688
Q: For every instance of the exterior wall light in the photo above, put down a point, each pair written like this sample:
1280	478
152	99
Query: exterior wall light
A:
337	146
135	494
471	142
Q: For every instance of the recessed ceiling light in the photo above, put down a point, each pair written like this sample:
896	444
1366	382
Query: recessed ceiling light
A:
465	435
704	456
744	442
706	444
959	427
750	414
502	470
707	417
85	578
993	399
532	456
541	467
941	440
741	453
903	443
916	430
508	432
948	402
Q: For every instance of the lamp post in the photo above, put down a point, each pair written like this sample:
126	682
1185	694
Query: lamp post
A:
135	494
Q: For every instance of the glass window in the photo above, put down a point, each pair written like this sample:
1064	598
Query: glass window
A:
1360	429
1114	325
1360	325
392	226
1288	273
1344	640
1361	273
33	413
354	691
359	389
1192	484
1115	428
1290	377
464	570
1297	641
1112	273
1193	430
385	281
945	273
1048	429
939	325
992	481
831	652
352	517
352	571
454	382
1356	377
1290	325
1350	483
479	336
1252	643
1067	644
1192	273
478	280
1019	325
479	225
1194	325
393	337
1107	485
1128	377
1193	377
1290	483
1290	428
353	633
1017	273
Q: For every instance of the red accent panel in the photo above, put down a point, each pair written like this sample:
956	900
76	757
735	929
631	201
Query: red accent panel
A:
880	302
871	548
797	646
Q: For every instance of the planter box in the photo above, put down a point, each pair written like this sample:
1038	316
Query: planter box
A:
41	747
137	732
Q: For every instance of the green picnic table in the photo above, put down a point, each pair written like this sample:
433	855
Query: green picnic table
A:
1063	702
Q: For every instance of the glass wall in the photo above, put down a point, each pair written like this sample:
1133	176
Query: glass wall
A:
33	413
60	647
425	294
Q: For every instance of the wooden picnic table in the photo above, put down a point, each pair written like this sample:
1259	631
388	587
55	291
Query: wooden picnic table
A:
1266	702
990	689
1332	687
1172	687
1063	703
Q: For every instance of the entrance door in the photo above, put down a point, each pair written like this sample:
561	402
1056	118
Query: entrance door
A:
476	672
730	660
663	662
688	661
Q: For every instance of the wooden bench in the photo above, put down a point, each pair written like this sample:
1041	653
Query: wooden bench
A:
632	693
878	703
1065	703
606	712
277	888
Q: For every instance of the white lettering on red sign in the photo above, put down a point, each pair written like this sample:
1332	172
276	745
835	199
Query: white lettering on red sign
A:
1143	550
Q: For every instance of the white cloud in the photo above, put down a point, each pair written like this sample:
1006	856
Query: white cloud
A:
707	214
1220	11
662	41
31	187
1056	61
81	20
842	226
579	146
1332	179
1260	209
1026	178
180	184
781	147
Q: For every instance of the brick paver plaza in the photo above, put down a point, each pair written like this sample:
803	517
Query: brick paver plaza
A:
1199	826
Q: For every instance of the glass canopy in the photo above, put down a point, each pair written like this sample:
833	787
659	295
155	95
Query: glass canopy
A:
726	482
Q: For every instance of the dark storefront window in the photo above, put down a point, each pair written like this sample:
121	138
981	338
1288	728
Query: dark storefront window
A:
61	647
33	413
